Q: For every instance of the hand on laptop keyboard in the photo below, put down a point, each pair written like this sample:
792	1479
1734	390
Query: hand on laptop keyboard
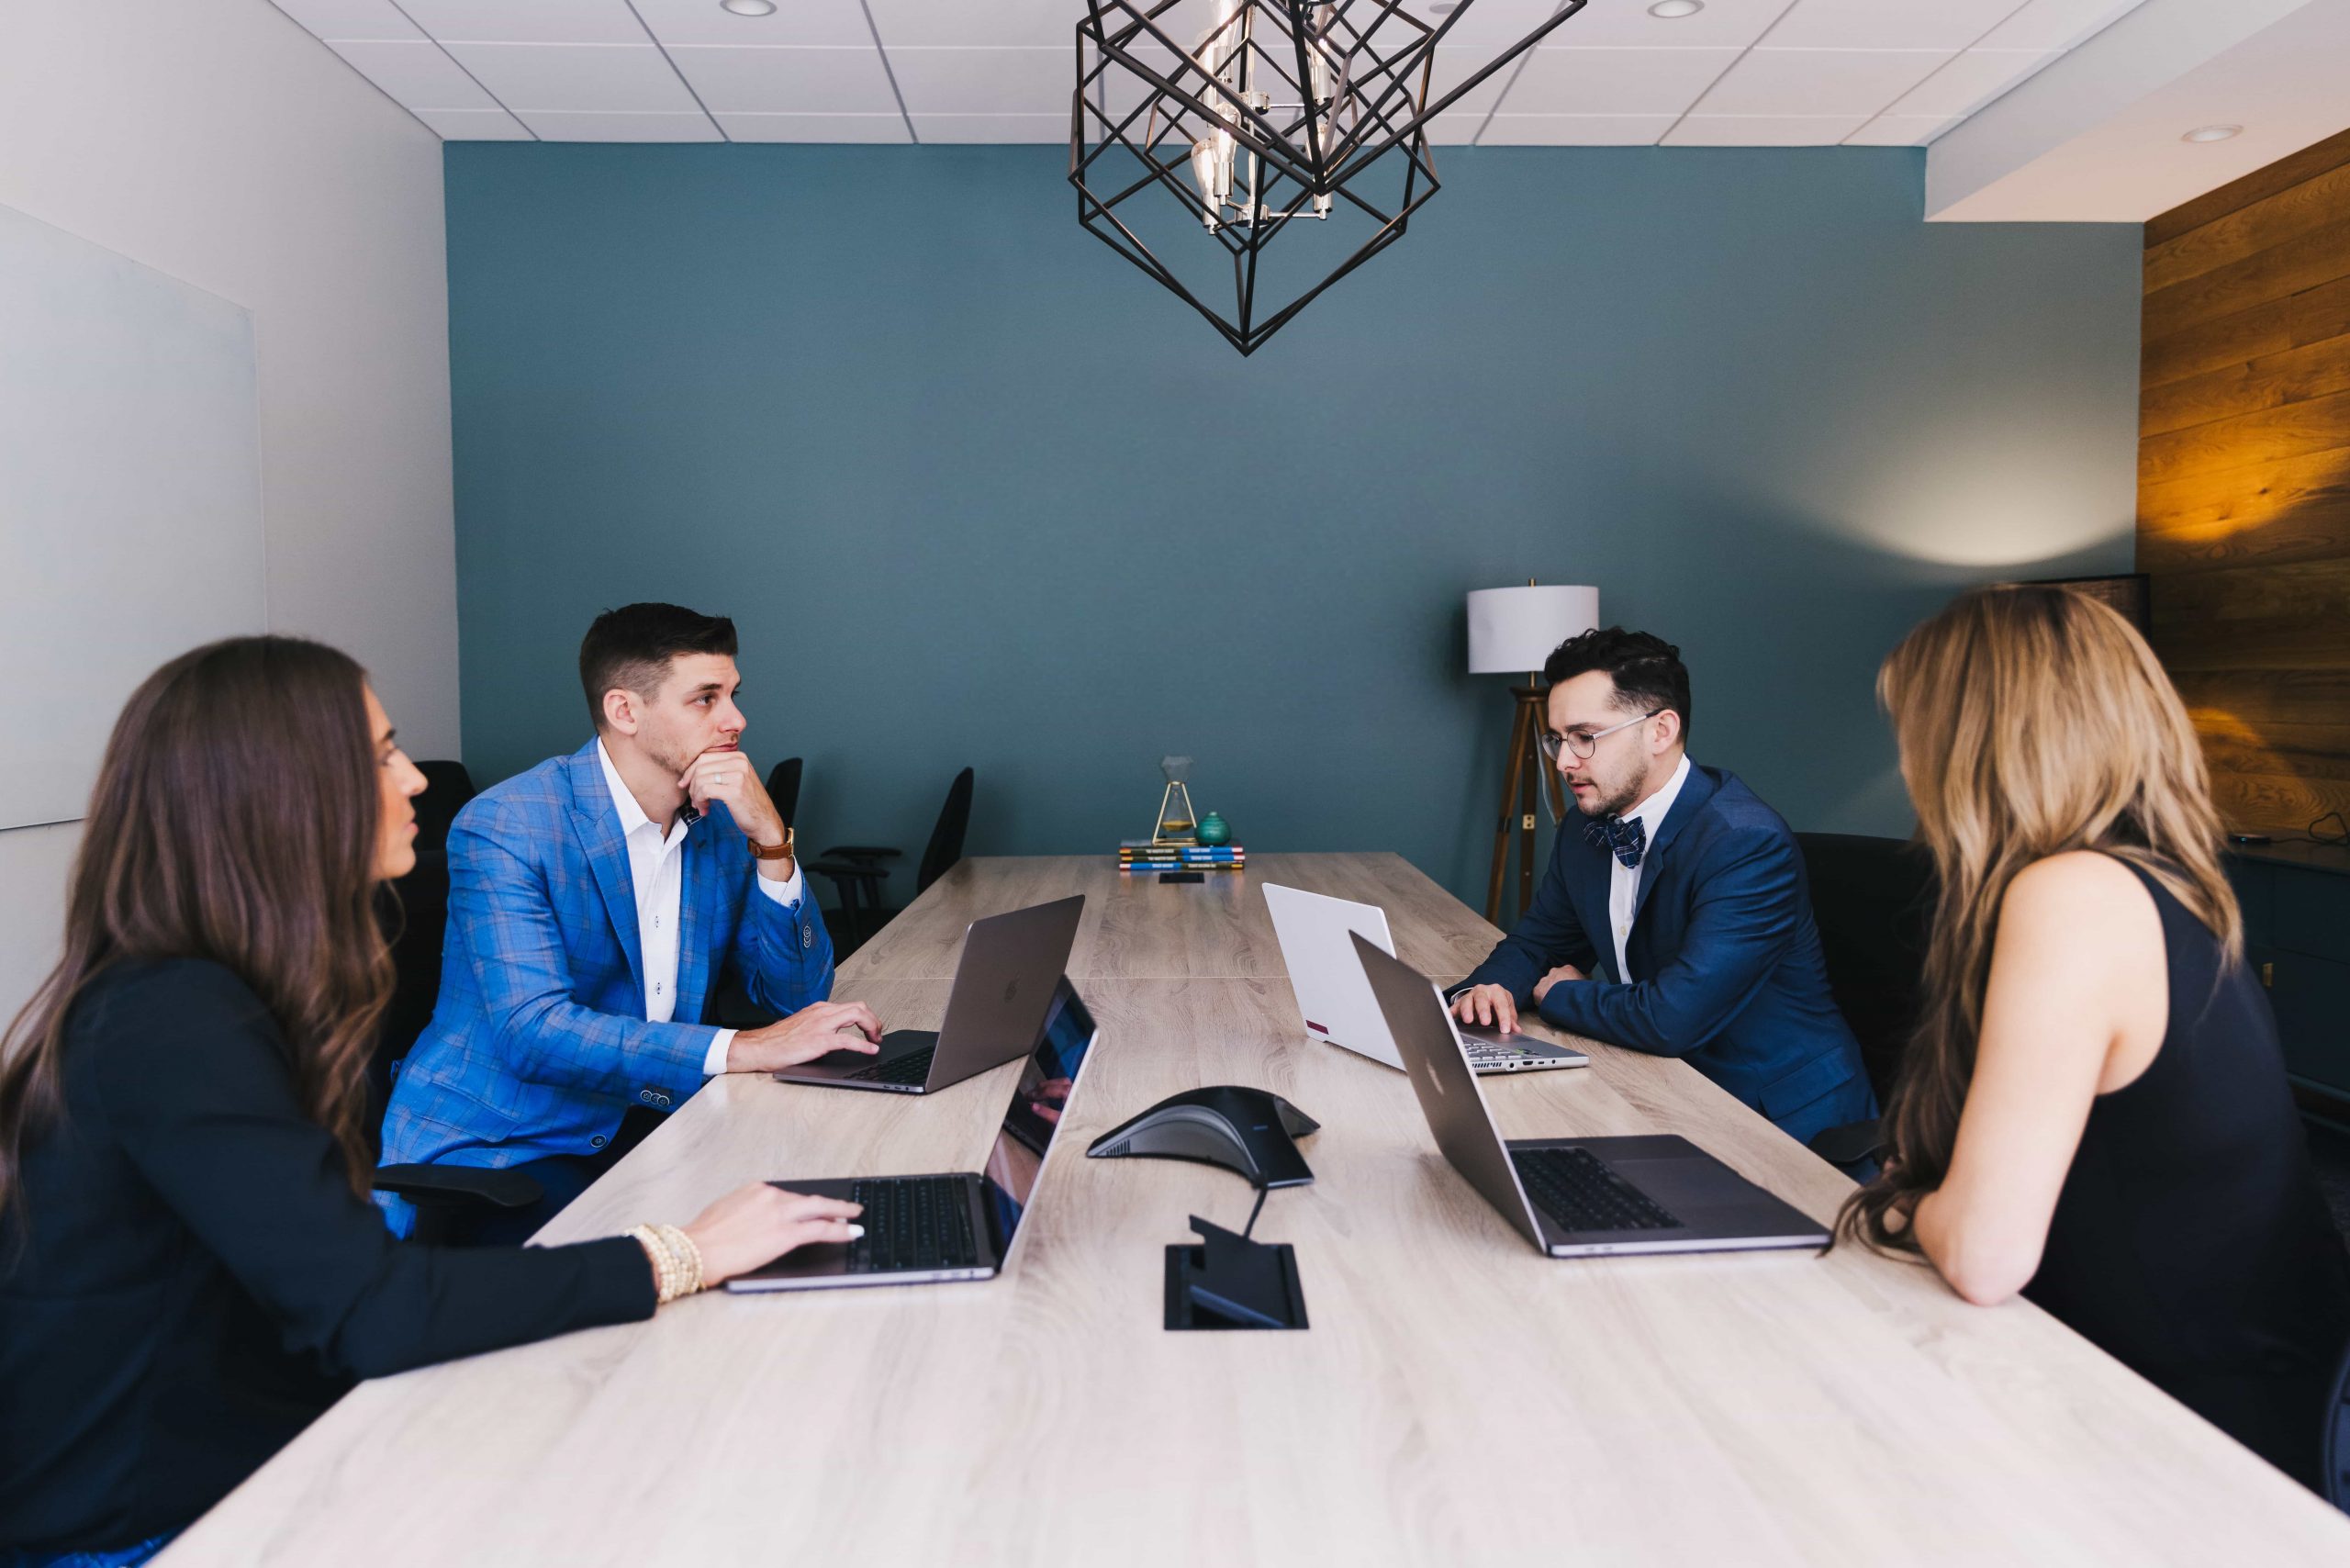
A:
753	1227
816	1030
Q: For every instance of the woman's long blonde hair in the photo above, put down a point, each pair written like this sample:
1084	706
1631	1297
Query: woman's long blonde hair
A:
2031	720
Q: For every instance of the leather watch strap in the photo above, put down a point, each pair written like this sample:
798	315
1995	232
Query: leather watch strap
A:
774	851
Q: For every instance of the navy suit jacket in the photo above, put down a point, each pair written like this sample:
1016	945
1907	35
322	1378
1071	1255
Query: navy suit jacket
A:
1727	970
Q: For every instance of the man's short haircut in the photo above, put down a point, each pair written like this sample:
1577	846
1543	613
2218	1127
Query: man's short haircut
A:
1647	670
630	648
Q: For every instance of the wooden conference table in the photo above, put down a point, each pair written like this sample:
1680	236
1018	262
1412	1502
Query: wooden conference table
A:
1459	1398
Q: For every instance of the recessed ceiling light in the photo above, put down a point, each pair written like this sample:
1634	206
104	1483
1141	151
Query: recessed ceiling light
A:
748	7
1669	9
2212	133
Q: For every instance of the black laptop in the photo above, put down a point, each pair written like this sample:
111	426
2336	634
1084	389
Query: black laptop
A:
1003	988
961	1225
1574	1197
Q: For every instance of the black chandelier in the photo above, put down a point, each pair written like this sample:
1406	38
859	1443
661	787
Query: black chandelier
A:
1276	113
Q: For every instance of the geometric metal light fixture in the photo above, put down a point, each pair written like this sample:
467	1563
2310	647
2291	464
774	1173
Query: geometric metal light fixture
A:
1265	120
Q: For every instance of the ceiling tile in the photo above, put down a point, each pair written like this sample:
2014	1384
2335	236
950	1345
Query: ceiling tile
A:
474	125
1900	131
2057	24
1488	26
1818	80
803	22
1457	129
1948	24
985	128
528	21
970	23
576	78
787	81
1615	81
556	125
985	81
351	19
1764	130
890	127
1970	81
1576	130
1626	23
418	74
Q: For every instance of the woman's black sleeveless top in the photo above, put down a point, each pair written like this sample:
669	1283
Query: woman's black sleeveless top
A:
2190	1241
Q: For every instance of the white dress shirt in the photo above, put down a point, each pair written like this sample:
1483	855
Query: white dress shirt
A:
1624	881
656	870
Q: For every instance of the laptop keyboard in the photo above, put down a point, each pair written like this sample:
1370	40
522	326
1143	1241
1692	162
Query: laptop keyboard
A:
1576	1187
911	1222
912	1067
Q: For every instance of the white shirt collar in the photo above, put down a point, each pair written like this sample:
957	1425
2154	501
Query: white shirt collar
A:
1651	813
632	815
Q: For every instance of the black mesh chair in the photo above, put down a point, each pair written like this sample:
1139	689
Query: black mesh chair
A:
1873	899
857	870
783	788
415	913
2337	1449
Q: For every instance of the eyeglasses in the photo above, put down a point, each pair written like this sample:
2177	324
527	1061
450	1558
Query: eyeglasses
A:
1583	742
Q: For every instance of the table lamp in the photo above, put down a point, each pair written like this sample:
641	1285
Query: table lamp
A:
1512	629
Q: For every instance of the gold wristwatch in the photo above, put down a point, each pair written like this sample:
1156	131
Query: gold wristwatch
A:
773	851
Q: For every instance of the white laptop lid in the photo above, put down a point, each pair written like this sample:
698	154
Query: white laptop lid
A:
1334	996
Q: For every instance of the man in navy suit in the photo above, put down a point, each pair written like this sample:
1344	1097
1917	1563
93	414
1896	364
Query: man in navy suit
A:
1674	917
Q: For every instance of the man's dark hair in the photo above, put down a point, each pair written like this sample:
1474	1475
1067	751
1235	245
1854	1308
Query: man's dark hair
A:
631	647
1647	670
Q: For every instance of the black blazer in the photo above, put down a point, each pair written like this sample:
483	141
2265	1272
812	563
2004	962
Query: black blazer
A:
190	1280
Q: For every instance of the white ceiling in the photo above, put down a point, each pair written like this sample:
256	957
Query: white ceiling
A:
1740	73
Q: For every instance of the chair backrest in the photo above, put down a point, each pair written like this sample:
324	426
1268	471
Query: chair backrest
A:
415	911
783	788
946	838
2336	1451
447	788
1873	900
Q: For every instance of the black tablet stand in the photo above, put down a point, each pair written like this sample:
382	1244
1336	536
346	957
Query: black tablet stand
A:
1230	1282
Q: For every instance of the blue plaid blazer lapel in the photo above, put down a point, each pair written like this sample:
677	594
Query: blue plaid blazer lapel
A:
598	826
697	920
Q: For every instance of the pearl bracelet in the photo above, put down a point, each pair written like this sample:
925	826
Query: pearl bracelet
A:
677	1261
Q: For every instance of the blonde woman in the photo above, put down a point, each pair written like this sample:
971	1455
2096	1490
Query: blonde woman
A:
2094	1111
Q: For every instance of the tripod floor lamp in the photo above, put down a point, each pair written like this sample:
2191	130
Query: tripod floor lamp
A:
1512	631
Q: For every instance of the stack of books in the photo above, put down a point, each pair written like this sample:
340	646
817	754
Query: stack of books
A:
1142	855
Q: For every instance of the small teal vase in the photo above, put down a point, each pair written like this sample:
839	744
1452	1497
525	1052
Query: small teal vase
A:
1214	829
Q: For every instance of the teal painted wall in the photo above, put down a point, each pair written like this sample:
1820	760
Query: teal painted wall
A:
978	492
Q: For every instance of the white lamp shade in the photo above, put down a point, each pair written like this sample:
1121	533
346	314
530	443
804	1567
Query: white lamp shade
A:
1512	629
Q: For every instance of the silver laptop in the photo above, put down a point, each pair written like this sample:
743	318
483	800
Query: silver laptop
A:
1578	1197
961	1225
1004	989
1334	1000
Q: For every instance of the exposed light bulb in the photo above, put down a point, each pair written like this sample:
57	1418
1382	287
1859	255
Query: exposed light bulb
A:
2212	133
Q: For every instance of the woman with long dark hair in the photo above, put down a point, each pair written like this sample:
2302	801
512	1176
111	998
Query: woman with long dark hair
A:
190	1269
2094	1110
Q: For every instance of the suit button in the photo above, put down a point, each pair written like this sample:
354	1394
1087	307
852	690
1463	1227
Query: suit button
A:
596	1142
807	936
645	1095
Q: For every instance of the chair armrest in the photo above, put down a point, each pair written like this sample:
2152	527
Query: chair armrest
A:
863	852
847	871
1850	1144
458	1184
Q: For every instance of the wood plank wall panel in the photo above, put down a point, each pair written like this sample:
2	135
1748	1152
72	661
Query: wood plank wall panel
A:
2244	480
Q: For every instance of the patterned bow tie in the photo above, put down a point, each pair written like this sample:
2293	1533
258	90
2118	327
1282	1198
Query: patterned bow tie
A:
1629	840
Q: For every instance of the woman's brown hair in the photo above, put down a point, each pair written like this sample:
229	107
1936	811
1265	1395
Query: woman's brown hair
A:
2032	721
235	818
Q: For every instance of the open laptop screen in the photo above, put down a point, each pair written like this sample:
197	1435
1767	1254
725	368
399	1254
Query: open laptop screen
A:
1046	1080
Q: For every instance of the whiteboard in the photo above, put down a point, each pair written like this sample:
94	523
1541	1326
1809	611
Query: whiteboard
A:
129	497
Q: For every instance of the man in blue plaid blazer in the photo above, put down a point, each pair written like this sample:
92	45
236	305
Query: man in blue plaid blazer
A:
594	903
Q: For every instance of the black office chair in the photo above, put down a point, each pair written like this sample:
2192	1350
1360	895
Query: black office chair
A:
415	914
783	788
2337	1449
857	870
1873	899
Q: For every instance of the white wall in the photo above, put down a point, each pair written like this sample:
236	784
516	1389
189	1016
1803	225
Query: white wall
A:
219	142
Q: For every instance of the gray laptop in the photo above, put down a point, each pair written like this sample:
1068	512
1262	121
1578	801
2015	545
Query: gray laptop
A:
1335	1005
1578	1197
1004	985
961	1225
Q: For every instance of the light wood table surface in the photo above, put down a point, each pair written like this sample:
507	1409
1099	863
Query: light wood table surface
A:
1460	1398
